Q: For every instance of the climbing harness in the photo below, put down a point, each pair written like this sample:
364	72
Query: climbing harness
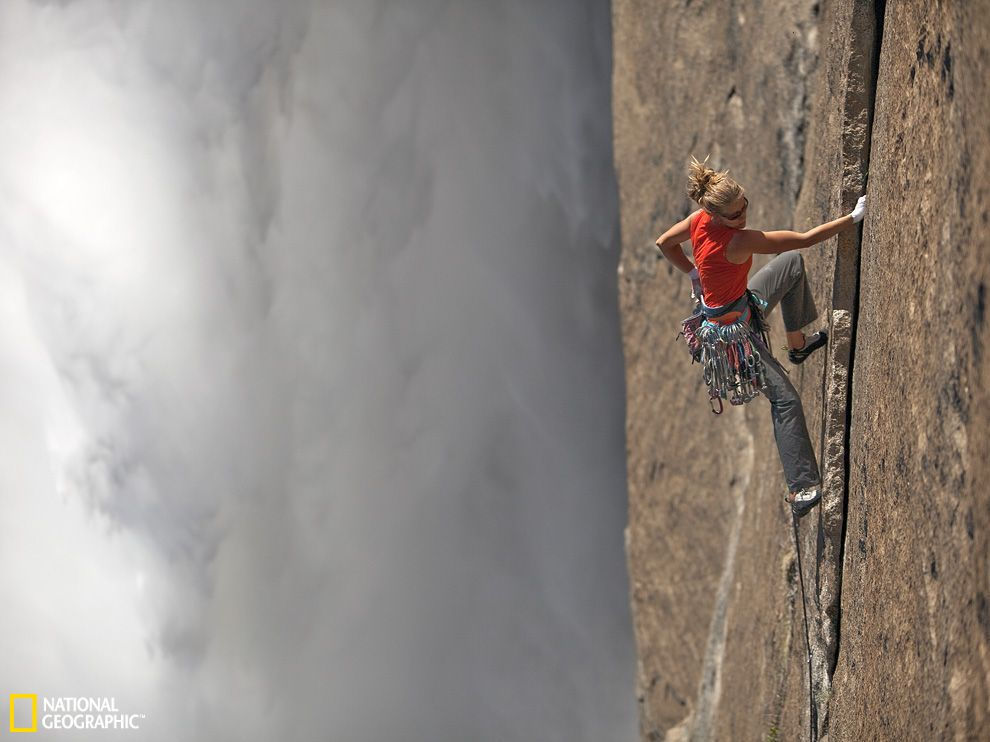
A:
727	341
812	713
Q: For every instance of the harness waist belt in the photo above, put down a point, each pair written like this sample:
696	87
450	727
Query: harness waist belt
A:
733	306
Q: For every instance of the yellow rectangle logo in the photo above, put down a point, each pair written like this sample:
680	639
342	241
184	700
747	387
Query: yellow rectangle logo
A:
34	712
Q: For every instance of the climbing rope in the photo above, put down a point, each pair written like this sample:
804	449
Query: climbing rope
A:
812	715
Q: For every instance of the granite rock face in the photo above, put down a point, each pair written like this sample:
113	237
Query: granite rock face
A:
914	660
895	560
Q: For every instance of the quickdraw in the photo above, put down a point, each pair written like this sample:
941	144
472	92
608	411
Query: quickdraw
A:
733	368
732	365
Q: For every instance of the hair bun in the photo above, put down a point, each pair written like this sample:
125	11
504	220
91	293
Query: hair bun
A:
710	188
700	178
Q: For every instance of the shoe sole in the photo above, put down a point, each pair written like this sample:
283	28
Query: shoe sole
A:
808	355
802	509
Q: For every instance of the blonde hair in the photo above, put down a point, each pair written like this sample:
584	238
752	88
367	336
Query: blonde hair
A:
712	190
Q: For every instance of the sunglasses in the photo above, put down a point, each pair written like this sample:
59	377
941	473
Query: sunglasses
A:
733	217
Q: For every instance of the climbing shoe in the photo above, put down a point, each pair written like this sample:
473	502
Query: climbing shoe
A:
811	344
802	502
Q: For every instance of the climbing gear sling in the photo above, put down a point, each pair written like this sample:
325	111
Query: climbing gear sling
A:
727	342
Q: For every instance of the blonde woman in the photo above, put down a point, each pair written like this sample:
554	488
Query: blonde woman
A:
723	252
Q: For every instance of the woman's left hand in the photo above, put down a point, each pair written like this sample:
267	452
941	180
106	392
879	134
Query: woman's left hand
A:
860	210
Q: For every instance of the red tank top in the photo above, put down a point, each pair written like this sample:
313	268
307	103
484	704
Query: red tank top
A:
721	281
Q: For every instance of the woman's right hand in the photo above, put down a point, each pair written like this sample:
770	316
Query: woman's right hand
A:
860	210
696	292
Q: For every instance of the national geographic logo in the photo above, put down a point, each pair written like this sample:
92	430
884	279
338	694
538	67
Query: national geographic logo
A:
68	712
32	698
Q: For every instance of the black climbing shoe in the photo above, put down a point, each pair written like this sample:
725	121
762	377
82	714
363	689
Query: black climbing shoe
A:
802	502
811	344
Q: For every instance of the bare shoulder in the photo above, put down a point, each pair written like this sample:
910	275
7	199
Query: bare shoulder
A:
680	232
688	221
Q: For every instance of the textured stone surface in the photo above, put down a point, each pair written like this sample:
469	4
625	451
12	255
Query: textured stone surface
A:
709	536
715	591
914	657
833	493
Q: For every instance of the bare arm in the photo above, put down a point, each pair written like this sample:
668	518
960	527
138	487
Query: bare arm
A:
753	241
670	243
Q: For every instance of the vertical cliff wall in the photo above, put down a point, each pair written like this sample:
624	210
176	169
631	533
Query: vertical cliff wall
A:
809	104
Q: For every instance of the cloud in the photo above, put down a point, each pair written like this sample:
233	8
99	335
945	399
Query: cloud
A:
311	320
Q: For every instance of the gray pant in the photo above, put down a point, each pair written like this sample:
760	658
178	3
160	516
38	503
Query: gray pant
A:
782	281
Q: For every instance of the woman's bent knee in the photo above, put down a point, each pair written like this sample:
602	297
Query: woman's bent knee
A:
794	262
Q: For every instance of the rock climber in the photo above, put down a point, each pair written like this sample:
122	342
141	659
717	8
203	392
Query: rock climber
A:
723	252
